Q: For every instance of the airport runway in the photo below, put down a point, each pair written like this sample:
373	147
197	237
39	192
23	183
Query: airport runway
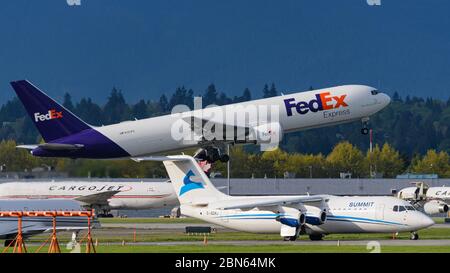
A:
159	226
116	234
182	226
305	243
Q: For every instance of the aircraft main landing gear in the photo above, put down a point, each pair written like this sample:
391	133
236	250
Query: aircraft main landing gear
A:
414	236
105	214
316	237
211	154
290	238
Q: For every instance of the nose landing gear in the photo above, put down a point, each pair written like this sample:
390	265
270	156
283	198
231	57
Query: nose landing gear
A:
414	236
365	125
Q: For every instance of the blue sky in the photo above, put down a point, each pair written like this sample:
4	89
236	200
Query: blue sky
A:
147	48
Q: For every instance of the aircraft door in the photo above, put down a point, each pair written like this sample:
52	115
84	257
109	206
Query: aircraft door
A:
379	212
224	215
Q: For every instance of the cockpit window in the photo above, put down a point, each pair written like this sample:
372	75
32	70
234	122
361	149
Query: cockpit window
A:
374	92
410	208
395	208
401	208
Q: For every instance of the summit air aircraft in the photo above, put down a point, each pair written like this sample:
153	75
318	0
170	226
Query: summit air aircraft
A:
66	135
315	215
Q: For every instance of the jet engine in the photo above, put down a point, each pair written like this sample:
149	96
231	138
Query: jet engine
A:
315	215
435	206
292	222
264	134
409	194
417	193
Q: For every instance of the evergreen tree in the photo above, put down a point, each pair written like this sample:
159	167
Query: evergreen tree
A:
181	97
163	103
223	99
210	96
12	110
139	110
116	109
268	93
408	100
396	97
273	90
68	102
246	96
89	112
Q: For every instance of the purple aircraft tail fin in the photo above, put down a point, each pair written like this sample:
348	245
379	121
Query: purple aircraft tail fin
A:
51	119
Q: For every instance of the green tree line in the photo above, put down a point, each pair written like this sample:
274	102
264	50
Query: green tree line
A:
411	125
344	158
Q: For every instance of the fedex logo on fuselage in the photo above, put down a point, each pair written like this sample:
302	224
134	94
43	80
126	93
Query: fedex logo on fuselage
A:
51	114
323	101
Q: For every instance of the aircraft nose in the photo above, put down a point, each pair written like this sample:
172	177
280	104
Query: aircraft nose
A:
385	99
425	221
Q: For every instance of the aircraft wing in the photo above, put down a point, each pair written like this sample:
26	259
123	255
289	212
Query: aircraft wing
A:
198	125
268	134
97	198
248	203
52	146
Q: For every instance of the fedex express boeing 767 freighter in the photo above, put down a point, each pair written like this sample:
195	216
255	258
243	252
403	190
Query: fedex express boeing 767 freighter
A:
66	135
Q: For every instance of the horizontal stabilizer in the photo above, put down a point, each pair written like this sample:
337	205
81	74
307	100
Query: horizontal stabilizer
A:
61	147
27	147
53	147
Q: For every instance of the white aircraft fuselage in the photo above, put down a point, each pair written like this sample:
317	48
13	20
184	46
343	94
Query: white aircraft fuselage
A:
68	136
130	195
433	200
346	214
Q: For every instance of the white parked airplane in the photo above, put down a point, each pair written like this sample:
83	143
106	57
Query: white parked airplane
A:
102	196
66	135
434	200
287	215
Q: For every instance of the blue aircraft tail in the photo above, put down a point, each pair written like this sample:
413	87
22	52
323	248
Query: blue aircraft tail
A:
51	119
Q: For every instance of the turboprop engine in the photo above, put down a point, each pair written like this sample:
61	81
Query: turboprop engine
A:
435	206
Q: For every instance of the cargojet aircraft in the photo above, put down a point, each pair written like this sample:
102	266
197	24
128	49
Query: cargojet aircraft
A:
432	200
290	216
102	196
